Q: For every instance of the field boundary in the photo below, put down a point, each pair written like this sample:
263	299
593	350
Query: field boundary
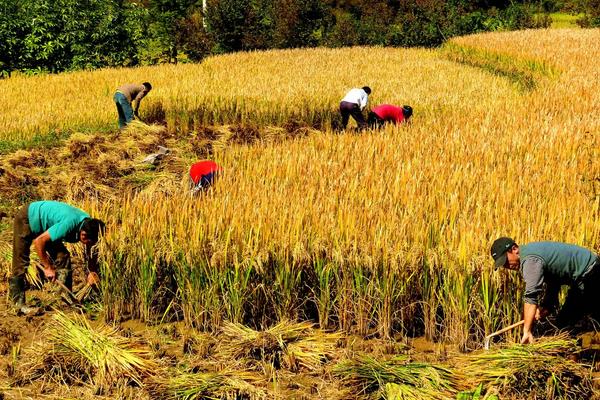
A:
526	73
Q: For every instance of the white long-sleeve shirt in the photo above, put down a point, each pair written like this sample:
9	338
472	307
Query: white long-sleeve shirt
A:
357	96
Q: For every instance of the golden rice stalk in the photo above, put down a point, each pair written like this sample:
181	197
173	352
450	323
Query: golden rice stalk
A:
83	292
34	276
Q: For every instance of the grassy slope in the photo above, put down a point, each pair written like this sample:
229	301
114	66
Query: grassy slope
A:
562	20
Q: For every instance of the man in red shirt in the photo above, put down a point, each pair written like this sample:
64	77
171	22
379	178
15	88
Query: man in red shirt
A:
202	174
388	113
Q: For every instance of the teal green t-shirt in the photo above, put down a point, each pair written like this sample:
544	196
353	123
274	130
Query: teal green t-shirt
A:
567	262
62	221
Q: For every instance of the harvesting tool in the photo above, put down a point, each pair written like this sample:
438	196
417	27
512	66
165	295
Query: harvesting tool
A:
486	343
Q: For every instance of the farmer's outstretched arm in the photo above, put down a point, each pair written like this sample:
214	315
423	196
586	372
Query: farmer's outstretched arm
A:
533	275
91	257
40	248
137	107
529	316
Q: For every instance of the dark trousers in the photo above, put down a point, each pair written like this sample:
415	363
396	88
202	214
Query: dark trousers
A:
124	109
375	121
582	299
22	240
348	109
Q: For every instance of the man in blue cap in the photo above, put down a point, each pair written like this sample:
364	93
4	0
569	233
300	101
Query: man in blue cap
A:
545	267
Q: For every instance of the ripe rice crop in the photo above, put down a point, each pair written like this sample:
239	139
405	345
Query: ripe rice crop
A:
273	87
378	233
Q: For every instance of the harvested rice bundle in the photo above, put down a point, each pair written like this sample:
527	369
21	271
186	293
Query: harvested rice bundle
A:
288	344
139	127
537	371
73	351
224	384
397	378
311	352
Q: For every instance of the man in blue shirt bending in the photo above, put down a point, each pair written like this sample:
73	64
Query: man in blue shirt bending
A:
46	225
545	267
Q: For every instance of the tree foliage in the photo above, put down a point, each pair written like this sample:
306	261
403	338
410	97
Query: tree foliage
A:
60	35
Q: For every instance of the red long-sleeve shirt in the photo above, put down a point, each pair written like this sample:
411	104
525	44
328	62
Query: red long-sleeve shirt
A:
202	169
388	112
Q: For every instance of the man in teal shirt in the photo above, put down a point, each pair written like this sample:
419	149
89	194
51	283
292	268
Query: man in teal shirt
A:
46	225
545	267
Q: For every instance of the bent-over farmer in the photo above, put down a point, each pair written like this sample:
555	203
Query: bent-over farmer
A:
545	267
388	113
203	174
353	104
46	225
124	98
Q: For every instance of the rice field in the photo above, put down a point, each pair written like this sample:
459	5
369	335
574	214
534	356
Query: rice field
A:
382	234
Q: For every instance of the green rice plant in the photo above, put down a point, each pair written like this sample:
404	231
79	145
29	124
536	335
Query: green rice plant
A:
286	285
115	283
524	72
198	290
324	298
564	20
477	394
490	316
147	284
364	292
393	285
396	377
430	287
234	289
344	297
458	298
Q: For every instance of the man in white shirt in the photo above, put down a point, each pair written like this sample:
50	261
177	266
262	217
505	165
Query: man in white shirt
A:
353	104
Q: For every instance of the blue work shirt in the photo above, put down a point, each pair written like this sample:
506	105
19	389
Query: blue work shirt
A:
555	264
62	221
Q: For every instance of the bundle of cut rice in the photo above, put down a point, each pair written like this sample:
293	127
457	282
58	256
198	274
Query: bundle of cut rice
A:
287	344
543	370
397	378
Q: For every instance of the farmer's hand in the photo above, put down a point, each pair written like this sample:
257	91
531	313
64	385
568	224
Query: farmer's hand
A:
527	338
93	279
541	313
50	274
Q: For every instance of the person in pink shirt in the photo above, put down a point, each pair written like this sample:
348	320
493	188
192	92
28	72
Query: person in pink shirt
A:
388	113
